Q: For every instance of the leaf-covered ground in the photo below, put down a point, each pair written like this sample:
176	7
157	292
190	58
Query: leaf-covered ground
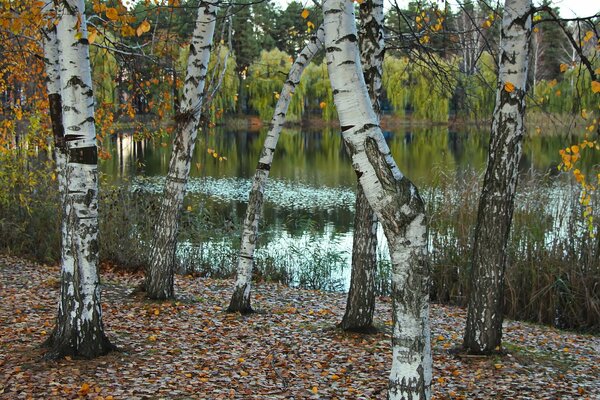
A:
289	350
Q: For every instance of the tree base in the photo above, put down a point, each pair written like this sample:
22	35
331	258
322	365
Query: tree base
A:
363	329
239	302
60	347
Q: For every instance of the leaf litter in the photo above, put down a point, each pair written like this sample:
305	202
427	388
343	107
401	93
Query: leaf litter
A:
289	349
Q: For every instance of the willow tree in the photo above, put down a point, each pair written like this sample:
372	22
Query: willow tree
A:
483	332
395	200
240	300
360	306
160	272
79	330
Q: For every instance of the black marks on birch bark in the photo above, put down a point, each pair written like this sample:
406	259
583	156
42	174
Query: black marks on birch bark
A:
84	155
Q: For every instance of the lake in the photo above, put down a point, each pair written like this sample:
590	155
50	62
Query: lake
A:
309	201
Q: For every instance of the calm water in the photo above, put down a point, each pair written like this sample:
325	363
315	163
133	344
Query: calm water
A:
310	196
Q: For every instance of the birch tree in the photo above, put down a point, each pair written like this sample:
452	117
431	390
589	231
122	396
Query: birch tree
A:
240	300
360	305
160	273
484	317
79	330
395	200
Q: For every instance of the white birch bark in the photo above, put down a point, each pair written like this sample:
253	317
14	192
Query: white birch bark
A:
160	273
360	305
483	332
240	301
394	199
79	330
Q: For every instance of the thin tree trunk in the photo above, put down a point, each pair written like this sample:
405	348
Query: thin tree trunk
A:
360	305
395	201
240	300
160	273
79	330
483	332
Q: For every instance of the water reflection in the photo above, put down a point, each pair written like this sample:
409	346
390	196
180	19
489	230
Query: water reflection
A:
310	196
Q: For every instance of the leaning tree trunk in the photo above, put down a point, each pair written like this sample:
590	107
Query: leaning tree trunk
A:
485	312
395	201
160	273
360	305
240	300
79	330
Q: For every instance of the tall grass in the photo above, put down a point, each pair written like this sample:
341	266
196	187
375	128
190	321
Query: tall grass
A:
553	271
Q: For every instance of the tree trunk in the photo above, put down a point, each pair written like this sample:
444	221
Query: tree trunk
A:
485	312
79	330
160	273
395	201
360	305
240	300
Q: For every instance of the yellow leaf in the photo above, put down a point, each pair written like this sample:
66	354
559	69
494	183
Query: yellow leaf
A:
112	13
92	36
441	338
305	13
310	25
595	86
156	311
335	377
588	36
564	67
498	366
189	208
487	23
143	28
243	373
315	389
575	149
322	105
152	338
509	87
552	83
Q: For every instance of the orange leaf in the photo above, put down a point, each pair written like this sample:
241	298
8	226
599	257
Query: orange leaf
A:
315	389
92	36
509	87
85	389
595	86
112	13
143	28
305	13
564	67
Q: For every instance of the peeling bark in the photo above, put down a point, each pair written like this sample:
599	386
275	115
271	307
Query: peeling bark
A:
483	333
240	300
79	331
360	305
394	199
160	272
